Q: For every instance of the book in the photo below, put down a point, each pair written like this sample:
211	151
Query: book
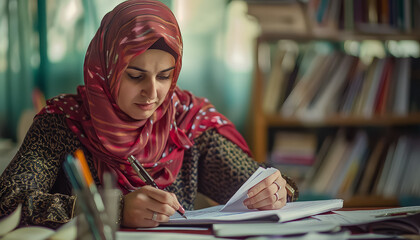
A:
315	83
322	85
415	85
300	91
367	84
346	174
327	101
274	83
296	148
372	92
410	180
319	160
338	150
353	90
353	178
372	164
402	88
393	82
235	211
348	15
384	88
379	184
397	167
285	57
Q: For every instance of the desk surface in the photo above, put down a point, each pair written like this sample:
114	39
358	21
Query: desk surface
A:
207	229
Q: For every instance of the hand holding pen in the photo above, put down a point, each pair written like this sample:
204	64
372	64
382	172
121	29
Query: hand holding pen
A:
148	206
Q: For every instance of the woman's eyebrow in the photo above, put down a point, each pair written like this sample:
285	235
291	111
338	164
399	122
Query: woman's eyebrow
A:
137	68
142	70
165	70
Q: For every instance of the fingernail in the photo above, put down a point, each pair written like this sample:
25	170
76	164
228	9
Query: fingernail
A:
181	209
246	202
250	194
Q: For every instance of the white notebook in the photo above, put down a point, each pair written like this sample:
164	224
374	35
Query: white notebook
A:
235	210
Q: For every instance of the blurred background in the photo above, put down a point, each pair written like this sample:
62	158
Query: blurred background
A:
321	89
43	43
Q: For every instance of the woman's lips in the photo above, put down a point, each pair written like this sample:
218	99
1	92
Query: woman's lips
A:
146	106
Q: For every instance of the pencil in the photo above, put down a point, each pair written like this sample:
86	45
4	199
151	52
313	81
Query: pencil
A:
143	175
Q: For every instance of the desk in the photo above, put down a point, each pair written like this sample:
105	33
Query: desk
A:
200	230
128	234
210	234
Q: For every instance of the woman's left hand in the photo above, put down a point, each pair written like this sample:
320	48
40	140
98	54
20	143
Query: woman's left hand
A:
268	194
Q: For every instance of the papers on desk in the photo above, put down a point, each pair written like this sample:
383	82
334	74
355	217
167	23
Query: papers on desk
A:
261	229
396	221
159	236
291	211
235	210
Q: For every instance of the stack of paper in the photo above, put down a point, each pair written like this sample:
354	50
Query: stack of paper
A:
235	210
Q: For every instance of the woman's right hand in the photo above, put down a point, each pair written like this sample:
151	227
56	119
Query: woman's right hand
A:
141	204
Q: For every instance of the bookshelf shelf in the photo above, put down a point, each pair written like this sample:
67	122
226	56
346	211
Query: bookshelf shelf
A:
337	120
271	116
370	200
338	36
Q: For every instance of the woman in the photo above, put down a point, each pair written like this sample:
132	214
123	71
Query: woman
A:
130	105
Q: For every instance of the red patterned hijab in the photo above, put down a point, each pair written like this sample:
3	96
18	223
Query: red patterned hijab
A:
111	135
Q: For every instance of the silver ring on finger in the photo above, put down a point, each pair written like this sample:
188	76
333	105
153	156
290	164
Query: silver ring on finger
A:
277	196
278	185
154	217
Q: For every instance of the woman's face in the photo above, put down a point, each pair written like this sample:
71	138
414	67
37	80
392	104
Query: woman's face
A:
145	83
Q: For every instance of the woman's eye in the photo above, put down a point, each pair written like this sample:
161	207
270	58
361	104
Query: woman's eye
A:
163	77
135	77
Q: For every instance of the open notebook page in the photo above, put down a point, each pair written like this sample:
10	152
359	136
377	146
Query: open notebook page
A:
235	210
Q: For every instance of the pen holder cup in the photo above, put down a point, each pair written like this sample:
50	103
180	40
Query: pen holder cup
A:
111	200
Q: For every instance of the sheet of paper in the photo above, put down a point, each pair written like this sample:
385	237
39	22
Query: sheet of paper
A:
347	218
291	211
10	222
235	203
343	235
66	231
31	232
178	228
125	235
288	228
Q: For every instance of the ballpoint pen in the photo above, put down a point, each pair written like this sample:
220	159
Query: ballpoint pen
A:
142	173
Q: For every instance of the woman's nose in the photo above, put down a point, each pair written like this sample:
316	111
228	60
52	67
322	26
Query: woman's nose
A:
149	89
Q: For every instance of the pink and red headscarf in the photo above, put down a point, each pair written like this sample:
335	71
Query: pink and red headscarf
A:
111	135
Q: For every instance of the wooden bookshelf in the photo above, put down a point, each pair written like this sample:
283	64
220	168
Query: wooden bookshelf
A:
274	120
262	122
369	201
338	36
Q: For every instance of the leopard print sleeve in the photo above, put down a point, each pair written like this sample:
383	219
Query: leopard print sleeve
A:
35	179
223	167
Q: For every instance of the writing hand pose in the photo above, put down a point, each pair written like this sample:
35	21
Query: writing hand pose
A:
148	206
268	194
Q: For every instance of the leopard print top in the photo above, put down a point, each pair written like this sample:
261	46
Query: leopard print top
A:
214	166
